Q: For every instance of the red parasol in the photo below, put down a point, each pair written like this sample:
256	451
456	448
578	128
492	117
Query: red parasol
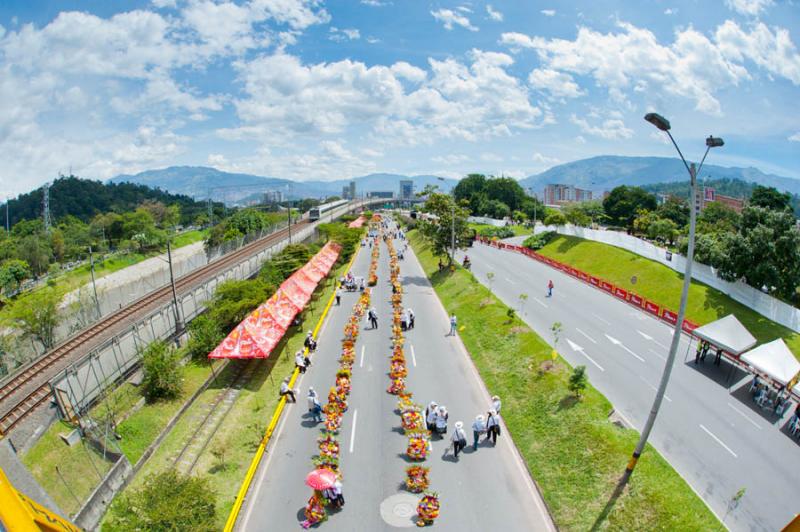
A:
321	479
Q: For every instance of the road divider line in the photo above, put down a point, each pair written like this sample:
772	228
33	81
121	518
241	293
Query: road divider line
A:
654	388
353	430
601	319
579	349
586	336
620	344
413	356
756	425
509	280
662	357
718	440
540	302
361	364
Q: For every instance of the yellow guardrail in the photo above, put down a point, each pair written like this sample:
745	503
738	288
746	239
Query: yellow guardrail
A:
276	416
22	514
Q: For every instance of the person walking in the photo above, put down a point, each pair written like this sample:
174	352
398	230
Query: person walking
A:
453	324
458	438
430	415
698	351
478	428
285	390
373	318
492	426
314	406
440	420
550	288
338	296
300	361
411	317
706	347
496	403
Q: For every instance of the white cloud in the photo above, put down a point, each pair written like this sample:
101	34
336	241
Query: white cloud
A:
495	15
409	72
217	160
611	129
795	137
670	11
557	84
548	12
448	17
373	40
633	60
375	3
163	3
748	7
450	159
339	35
464	9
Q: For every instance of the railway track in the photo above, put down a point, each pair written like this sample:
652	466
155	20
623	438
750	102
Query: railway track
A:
25	391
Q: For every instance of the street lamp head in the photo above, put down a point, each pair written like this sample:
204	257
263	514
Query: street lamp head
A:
714	142
657	120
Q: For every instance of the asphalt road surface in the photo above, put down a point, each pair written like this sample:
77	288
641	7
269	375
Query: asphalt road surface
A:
708	427
484	490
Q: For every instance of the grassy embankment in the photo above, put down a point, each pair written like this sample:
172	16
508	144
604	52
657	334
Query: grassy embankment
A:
243	427
662	285
575	454
519	230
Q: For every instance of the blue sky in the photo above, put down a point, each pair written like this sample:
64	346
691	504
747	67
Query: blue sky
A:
307	89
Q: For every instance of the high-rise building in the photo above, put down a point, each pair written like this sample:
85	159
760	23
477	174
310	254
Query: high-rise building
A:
273	196
556	194
406	189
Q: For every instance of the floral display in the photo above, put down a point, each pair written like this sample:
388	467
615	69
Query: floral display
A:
397	386
428	509
328	446
411	419
315	510
417	445
417	478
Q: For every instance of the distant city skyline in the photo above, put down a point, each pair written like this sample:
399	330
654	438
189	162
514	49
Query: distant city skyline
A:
314	90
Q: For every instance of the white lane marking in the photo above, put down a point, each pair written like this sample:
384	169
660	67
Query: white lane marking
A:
586	335
654	388
413	356
718	441
645	336
662	357
509	280
540	302
353	431
361	364
579	349
756	425
601	319
617	342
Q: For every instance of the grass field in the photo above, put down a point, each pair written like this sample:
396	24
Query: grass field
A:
663	286
244	425
519	230
573	451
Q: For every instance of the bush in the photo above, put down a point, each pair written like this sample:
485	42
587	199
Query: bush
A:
204	335
163	373
499	232
555	218
167	501
234	300
577	381
539	241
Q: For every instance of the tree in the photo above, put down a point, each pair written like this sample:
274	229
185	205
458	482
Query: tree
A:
507	190
675	209
533	208
39	317
471	189
576	216
36	251
577	381
495	209
770	198
204	335
439	232
163	374
718	218
624	202
167	501
663	229
234	300
12	273
555	217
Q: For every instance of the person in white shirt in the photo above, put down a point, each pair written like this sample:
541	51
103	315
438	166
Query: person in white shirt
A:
496	403
493	426
411	317
478	428
285	390
459	438
430	415
300	361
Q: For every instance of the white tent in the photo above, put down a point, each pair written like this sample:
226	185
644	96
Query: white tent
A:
775	360
727	333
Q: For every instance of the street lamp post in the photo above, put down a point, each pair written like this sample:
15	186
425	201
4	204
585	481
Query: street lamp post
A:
711	142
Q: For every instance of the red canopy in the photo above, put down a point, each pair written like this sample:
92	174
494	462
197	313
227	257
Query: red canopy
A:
258	334
358	222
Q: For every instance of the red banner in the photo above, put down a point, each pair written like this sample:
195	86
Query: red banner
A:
652	308
620	293
669	316
594	281
688	326
583	276
636	299
608	287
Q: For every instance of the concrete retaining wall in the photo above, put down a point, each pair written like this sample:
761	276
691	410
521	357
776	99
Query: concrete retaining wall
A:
92	511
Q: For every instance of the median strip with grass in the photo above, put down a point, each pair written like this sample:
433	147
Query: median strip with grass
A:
575	454
662	285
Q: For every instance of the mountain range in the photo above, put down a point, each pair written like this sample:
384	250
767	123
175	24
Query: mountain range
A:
596	174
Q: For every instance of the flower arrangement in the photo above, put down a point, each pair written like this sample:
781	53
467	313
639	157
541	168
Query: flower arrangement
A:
412	420
417	446
330	463
428	509
333	420
315	510
328	446
417	478
404	401
397	386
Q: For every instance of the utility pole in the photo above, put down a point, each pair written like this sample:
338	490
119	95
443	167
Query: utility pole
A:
94	286
178	321
453	232
289	213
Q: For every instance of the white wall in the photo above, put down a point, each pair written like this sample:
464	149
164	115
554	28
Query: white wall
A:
764	304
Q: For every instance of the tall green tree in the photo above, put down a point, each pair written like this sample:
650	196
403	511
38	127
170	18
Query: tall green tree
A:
439	232
471	189
624	202
162	372
38	317
507	190
12	273
770	198
675	209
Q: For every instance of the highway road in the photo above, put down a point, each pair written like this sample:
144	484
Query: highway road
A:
484	490
708	428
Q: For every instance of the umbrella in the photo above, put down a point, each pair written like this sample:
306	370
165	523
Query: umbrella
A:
321	479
